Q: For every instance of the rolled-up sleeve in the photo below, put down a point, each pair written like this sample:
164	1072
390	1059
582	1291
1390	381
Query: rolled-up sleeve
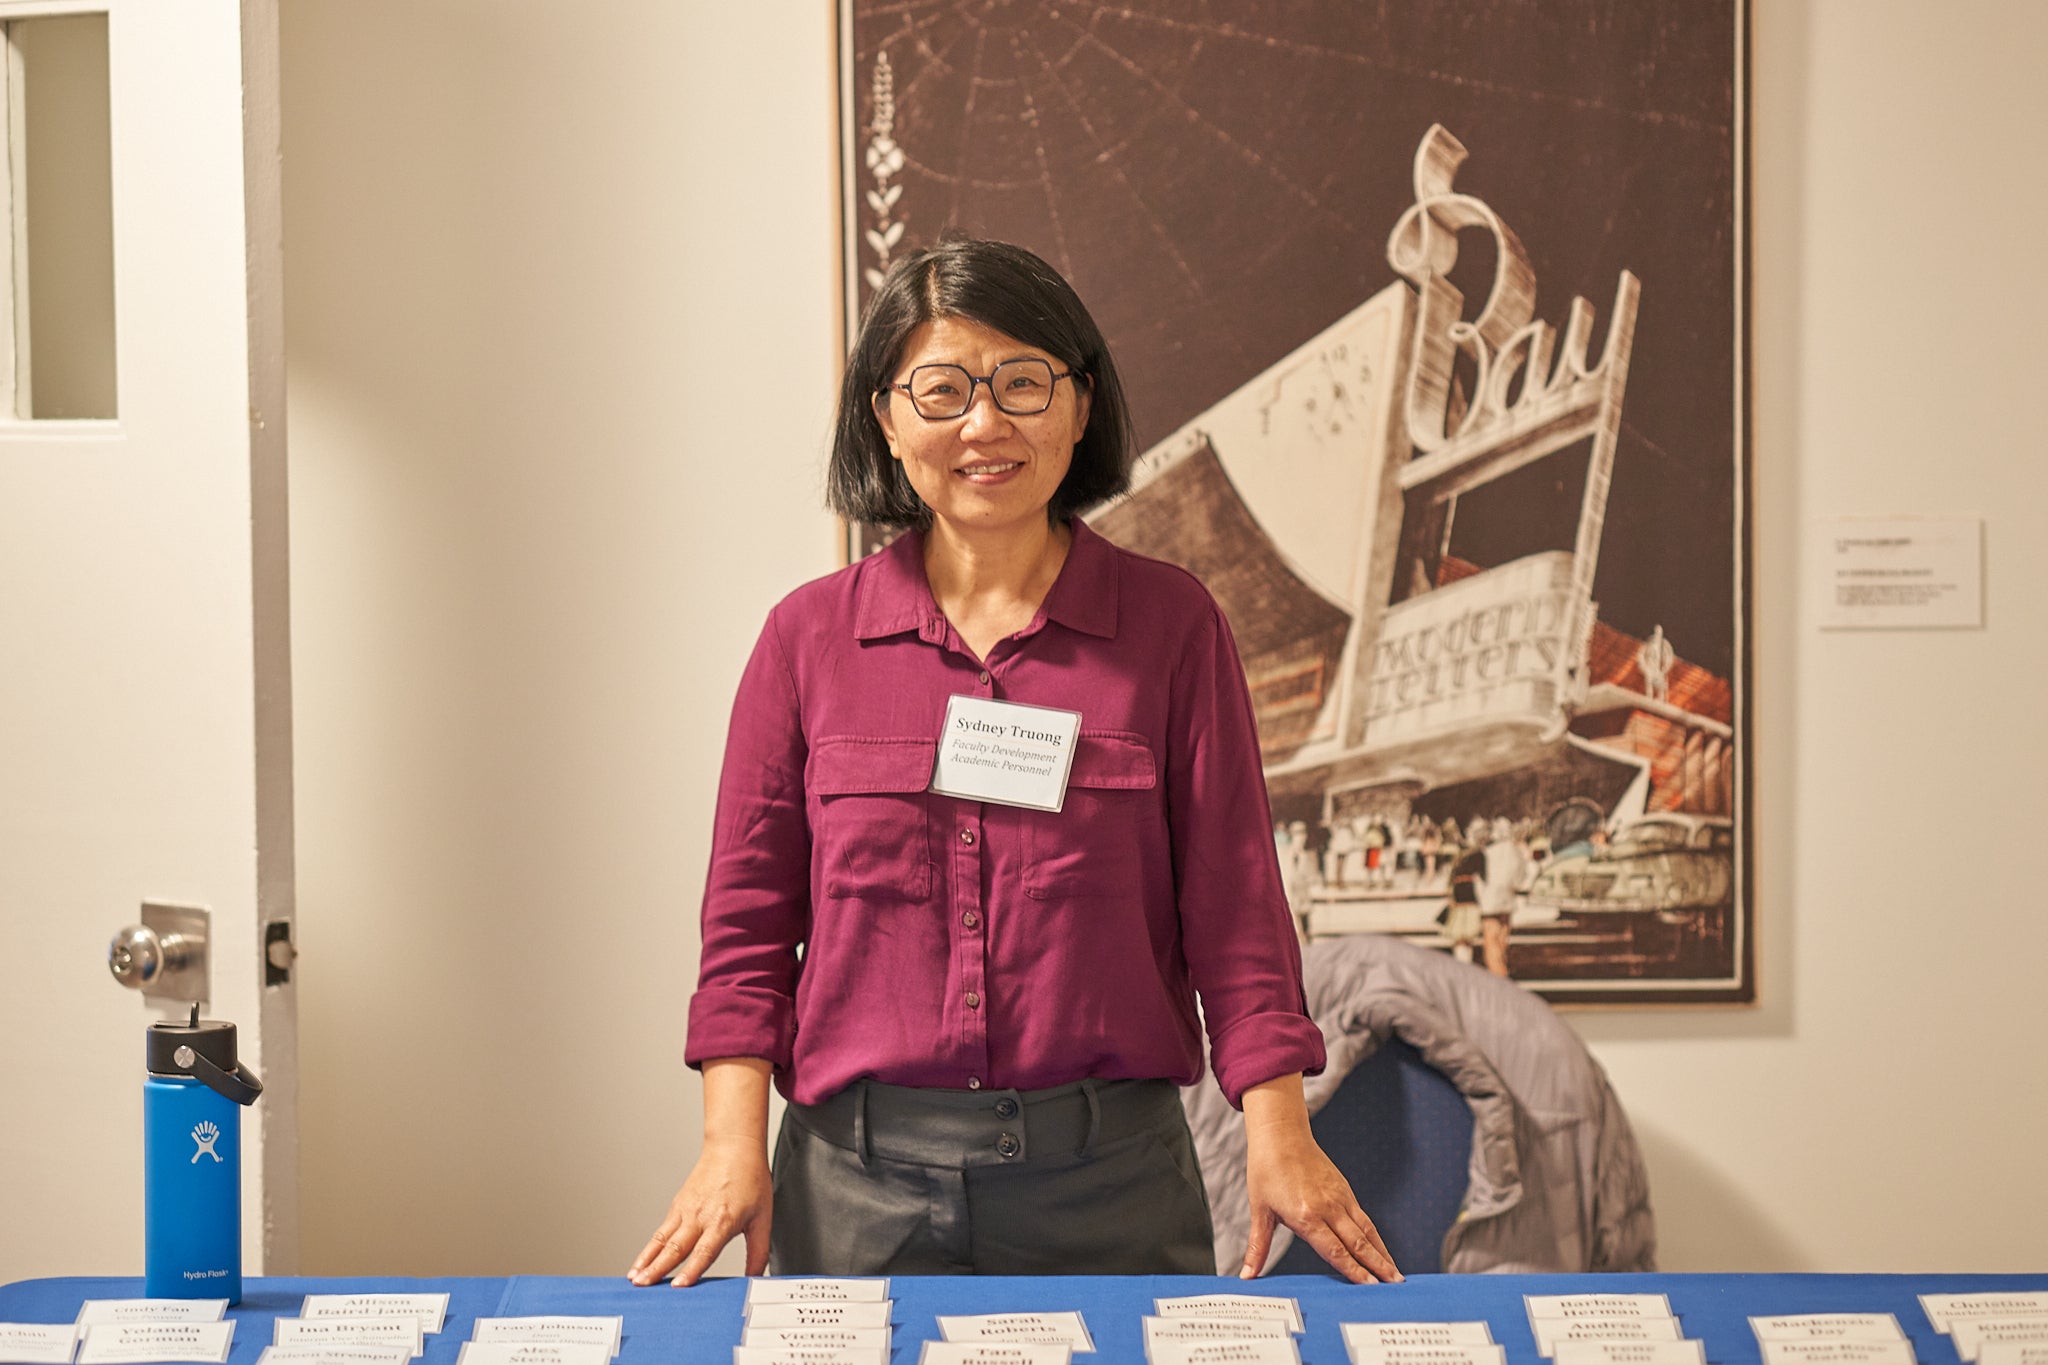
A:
1237	933
757	891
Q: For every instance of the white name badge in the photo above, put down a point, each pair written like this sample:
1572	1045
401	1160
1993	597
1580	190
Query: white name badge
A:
993	1353
431	1310
585	1331
810	1355
1266	1306
151	1310
1281	1352
1604	1307
1006	752
533	1353
1837	1352
1972	1334
1046	1329
38	1343
794	1338
1827	1327
339	1353
1942	1309
334	1331
130	1343
1370	1336
1177	1330
1551	1331
1468	1354
1629	1353
2013	1353
873	1313
815	1290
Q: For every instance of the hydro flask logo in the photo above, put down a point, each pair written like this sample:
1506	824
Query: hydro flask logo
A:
205	1135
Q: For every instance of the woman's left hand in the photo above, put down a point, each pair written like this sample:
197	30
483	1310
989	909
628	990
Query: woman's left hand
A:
1290	1181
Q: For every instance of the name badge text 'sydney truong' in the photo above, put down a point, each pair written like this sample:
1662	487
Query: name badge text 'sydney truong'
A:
1011	754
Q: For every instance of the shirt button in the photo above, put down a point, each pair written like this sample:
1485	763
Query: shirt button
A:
967	836
971	920
1007	1146
984	677
973	1000
1006	1108
974	1082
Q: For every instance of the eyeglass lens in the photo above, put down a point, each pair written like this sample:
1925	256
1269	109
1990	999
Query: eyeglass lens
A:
1020	388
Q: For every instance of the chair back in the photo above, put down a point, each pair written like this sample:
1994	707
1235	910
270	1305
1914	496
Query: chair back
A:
1402	1135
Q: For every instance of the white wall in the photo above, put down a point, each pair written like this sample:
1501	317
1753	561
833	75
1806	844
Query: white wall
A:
539	512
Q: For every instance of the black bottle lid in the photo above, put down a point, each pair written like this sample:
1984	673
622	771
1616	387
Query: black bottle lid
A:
202	1050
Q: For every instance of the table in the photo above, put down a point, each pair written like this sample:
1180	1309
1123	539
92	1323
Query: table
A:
699	1326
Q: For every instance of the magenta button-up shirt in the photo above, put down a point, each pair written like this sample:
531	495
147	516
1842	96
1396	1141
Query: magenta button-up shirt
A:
858	925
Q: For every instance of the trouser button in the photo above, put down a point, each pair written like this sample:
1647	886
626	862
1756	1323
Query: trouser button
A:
1007	1146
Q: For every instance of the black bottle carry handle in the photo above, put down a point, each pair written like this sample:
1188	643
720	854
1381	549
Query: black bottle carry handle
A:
239	1085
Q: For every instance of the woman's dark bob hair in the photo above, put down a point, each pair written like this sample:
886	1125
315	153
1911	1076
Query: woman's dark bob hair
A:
1000	286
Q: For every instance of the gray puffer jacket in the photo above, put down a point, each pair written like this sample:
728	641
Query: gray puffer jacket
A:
1556	1181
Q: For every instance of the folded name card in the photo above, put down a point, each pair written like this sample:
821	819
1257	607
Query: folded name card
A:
37	1343
810	1355
128	1343
1552	1331
1281	1352
2013	1353
151	1310
859	1338
1046	1329
1257	1306
1359	1336
352	1331
1898	1352
1158	1329
812	1289
533	1353
585	1331
335	1353
868	1313
1972	1334
993	1353
1468	1354
1827	1327
1942	1309
1597	1306
429	1310
1629	1353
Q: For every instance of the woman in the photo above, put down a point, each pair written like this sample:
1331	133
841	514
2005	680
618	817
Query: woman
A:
978	1010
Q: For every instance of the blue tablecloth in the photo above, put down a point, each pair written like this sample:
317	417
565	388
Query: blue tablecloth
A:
699	1326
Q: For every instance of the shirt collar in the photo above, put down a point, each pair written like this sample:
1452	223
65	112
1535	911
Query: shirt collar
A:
895	596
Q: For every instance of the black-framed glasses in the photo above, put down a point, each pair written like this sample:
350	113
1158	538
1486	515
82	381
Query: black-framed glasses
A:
943	393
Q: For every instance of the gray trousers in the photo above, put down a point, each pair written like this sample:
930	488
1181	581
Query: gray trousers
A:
1093	1178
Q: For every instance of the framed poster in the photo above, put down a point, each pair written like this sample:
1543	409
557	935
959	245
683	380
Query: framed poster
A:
1433	322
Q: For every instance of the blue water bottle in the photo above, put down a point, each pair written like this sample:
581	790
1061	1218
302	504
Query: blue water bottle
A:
192	1103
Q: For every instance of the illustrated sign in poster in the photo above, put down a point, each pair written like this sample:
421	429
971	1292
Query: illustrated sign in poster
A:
1432	319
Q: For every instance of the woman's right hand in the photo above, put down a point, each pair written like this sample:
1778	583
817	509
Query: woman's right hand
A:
730	1191
728	1194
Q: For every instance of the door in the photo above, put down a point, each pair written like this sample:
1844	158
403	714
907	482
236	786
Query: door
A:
144	653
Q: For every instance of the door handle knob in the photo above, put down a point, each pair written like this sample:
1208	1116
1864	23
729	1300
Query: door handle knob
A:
164	957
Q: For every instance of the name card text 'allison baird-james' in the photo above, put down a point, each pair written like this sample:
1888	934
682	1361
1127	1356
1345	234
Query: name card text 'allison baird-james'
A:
1004	752
429	1310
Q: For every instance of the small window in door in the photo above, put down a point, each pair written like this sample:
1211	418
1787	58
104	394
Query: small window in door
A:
58	286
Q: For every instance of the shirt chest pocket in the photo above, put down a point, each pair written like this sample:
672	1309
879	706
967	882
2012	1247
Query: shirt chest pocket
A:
872	833
1096	844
